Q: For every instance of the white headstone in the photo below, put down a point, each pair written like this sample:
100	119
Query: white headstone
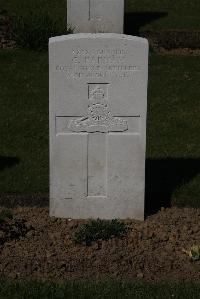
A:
98	103
96	15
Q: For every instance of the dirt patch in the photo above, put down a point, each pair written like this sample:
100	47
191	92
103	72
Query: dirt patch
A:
152	250
178	52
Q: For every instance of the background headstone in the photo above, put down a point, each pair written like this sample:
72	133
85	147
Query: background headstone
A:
96	15
98	102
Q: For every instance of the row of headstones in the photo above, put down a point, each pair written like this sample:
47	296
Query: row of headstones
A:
98	102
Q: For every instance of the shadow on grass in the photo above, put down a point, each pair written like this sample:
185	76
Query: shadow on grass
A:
7	162
133	21
162	179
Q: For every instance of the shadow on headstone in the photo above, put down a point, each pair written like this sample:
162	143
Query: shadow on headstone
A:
7	162
133	21
163	177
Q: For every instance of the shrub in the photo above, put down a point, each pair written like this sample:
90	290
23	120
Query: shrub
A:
5	214
99	230
11	227
193	253
34	29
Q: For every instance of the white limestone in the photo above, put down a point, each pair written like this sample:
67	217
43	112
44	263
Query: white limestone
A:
96	15
98	103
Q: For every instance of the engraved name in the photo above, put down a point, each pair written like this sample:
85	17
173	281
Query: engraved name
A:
98	63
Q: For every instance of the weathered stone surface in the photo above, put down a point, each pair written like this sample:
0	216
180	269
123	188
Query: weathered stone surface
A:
96	15
98	102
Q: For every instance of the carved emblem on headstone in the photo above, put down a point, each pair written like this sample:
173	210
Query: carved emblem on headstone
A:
99	117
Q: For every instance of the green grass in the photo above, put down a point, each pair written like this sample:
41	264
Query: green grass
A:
173	119
56	8
109	289
173	152
179	14
173	128
24	121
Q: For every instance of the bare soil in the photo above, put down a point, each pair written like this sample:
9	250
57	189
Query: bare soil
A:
152	250
178	52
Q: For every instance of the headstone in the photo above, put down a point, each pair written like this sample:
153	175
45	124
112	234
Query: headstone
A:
96	15
98	103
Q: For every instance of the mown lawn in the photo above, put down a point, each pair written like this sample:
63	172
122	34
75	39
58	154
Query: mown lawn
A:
24	121
109	289
56	8
173	164
173	127
166	14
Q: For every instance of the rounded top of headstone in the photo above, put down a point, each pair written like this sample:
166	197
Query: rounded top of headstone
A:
98	36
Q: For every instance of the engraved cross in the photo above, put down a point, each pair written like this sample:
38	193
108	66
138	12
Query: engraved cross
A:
98	120
92	13
99	125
